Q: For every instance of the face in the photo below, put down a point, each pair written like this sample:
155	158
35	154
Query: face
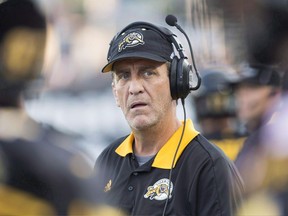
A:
142	90
252	102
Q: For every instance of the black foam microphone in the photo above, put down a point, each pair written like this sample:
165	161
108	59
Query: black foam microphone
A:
172	21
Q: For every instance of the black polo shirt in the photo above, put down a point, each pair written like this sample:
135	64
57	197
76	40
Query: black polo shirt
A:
204	181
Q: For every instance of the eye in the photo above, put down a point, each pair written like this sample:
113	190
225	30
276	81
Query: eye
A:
148	73
123	76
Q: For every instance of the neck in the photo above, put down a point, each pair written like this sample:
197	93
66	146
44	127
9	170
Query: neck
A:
150	141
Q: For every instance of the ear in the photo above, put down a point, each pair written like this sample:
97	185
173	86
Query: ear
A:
115	94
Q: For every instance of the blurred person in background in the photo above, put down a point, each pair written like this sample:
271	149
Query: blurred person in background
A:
267	39
274	138
22	58
258	95
40	171
143	173
264	25
214	104
257	92
266	172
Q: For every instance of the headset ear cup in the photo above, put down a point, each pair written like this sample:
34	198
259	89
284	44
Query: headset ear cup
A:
183	72
173	78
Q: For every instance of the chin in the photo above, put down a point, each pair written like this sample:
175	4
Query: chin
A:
141	123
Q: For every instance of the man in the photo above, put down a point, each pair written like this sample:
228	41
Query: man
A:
37	177
215	110
258	92
155	170
258	96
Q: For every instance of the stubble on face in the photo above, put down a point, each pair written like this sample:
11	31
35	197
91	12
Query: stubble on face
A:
144	100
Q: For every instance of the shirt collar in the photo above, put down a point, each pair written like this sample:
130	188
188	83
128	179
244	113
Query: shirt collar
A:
165	155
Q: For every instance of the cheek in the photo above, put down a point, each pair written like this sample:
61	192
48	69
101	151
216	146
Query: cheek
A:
162	96
120	97
162	89
245	97
251	103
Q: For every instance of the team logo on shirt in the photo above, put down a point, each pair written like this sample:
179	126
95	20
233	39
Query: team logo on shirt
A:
159	191
131	40
108	186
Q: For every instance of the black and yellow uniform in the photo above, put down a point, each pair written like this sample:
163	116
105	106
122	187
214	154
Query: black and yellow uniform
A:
230	145
41	170
41	179
203	182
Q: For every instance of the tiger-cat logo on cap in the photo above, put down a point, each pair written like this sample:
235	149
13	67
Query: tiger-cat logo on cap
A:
131	40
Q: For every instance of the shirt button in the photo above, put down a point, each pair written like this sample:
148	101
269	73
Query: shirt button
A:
135	173
130	188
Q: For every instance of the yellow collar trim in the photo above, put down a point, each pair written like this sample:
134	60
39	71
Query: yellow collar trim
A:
165	156
126	146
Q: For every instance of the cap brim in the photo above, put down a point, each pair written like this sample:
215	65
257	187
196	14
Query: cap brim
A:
108	67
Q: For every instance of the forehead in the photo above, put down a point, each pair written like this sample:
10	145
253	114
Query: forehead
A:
138	62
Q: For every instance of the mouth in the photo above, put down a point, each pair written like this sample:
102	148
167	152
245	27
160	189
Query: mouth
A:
137	105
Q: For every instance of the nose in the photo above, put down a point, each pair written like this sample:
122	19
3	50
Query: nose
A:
136	86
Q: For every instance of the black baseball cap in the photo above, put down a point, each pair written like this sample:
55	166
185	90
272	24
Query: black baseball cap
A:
139	42
258	75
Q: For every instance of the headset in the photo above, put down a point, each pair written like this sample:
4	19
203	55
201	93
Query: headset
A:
180	74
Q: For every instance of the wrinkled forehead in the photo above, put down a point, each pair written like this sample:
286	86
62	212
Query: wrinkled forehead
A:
136	62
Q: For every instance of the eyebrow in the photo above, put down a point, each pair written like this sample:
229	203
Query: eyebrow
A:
145	67
141	68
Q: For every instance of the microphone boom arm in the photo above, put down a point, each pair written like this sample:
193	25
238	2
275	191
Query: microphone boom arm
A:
172	21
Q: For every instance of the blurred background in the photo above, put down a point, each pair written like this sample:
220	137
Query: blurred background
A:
77	98
73	96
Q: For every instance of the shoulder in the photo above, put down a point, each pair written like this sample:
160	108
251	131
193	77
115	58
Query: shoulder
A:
20	148
210	155
218	172
112	146
109	151
36	156
206	149
222	166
